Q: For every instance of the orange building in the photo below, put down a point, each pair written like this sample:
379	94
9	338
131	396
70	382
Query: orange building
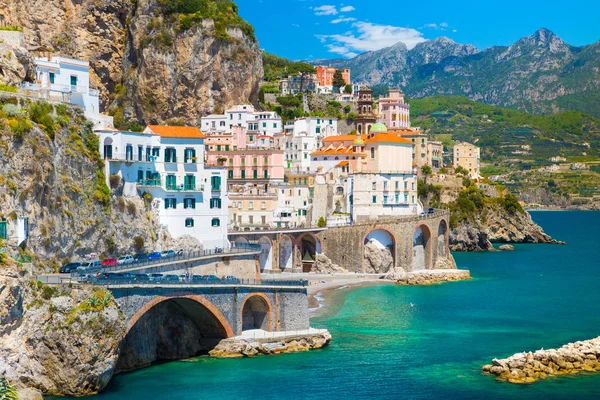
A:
325	75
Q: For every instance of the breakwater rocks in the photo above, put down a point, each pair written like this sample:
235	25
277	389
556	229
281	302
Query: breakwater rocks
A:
428	277
262	343
529	367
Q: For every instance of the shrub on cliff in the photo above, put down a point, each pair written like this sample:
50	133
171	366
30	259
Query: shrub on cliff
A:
7	391
321	223
511	204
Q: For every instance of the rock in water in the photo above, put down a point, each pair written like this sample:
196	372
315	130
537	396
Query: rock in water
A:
377	260
506	247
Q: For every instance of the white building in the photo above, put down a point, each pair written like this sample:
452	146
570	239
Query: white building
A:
168	163
302	137
68	80
265	123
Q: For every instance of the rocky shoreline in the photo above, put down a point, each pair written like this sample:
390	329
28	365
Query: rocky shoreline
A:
429	277
572	358
265	344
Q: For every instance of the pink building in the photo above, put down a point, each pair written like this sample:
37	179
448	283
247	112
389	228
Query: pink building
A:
248	164
393	113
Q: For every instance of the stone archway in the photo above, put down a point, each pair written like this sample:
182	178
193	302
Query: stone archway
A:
266	255
309	246
379	251
241	242
170	328
256	312
442	239
286	253
108	148
422	248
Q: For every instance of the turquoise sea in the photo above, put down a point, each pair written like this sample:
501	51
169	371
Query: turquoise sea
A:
537	296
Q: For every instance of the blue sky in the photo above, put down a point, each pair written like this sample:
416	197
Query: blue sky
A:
308	29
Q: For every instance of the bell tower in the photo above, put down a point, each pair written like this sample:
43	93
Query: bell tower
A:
366	115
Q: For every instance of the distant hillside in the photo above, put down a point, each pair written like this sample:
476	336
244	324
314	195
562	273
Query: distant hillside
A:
539	73
508	135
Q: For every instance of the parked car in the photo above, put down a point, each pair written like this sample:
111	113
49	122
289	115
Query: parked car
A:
210	278
84	278
154	256
107	275
140	257
431	210
127	276
423	214
156	277
230	279
89	266
171	278
197	279
168	254
123	260
109	262
142	277
70	267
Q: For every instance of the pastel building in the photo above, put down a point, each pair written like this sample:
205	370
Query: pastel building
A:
244	115
325	75
68	80
303	83
380	177
468	156
167	162
301	138
435	154
419	141
393	112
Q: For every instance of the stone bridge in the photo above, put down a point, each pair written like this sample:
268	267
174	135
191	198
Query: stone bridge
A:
414	243
218	310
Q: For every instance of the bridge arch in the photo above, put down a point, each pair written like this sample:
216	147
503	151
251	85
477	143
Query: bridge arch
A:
422	248
309	245
382	239
255	312
286	253
241	241
200	300
442	239
266	255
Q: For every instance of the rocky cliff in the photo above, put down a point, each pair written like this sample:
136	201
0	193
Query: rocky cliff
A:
152	60
56	340
51	174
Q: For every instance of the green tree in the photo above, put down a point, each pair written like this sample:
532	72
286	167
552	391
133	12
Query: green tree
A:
426	170
321	223
7	391
338	79
348	89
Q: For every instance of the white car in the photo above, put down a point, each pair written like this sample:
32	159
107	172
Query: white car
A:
125	260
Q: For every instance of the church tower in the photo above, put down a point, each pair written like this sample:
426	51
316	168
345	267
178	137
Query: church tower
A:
366	116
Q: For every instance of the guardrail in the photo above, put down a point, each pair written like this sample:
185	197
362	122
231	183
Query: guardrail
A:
237	249
197	282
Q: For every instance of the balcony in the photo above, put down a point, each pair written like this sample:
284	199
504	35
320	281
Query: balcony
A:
149	183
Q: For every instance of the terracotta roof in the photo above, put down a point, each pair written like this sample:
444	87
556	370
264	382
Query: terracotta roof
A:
185	132
387	138
341	138
342	164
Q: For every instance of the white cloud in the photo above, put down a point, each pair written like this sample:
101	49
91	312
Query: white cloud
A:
296	25
369	37
444	25
454	30
430	26
325	10
342	19
347	9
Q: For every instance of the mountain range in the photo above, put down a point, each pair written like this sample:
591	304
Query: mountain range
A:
540	73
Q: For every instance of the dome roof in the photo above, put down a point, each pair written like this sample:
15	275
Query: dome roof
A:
378	128
358	141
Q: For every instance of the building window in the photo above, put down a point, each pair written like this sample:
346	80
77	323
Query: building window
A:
51	77
215	203
171	182
266	174
372	152
189	182
189	222
170	155
189	155
230	174
215	183
397	185
189	203
255	174
374	186
251	206
226	147
170	203
385	199
405	185
274	125
263	205
243	174
129	152
218	147
140	153
148	153
215	222
318	130
413	186
318	121
374	199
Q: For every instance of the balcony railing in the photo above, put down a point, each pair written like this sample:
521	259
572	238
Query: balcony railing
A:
149	182
182	188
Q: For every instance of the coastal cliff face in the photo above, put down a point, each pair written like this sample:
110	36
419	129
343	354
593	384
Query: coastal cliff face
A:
51	174
498	226
150	63
56	340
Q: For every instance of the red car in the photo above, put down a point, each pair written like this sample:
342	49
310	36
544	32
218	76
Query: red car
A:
109	262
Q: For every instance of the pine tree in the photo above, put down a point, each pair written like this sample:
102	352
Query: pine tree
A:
338	79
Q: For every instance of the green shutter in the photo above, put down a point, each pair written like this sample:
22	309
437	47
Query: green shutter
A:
3	230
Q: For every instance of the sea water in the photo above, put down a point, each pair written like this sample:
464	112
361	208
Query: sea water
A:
398	342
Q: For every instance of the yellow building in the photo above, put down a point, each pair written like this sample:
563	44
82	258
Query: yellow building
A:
468	156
